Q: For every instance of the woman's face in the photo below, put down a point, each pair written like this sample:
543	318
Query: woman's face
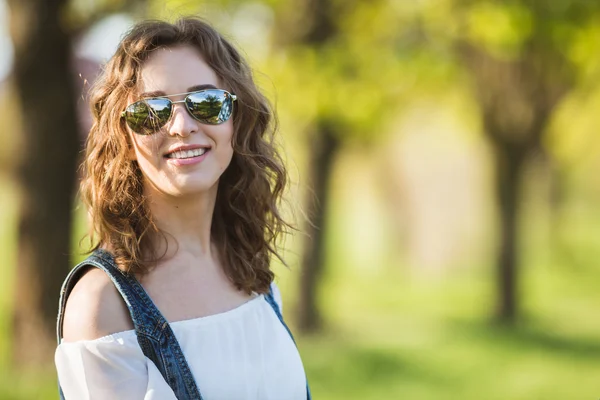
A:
169	71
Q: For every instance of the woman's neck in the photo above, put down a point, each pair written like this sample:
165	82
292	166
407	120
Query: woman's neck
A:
185	220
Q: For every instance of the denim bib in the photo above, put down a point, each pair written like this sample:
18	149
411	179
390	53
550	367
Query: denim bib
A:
154	334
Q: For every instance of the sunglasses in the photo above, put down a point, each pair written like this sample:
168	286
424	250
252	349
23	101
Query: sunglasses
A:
210	106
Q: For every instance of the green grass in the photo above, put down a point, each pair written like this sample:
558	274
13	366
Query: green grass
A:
440	343
390	335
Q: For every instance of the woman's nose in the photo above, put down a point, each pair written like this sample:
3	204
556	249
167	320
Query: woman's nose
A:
182	123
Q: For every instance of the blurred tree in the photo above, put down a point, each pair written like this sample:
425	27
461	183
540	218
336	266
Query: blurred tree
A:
312	25
522	57
45	171
42	32
342	60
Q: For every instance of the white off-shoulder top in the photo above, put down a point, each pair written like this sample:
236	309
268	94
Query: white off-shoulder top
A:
244	353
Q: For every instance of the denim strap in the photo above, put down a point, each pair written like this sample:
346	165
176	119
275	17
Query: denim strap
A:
154	334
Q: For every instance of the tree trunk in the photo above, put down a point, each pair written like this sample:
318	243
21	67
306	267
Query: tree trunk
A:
320	168
509	170
311	23
45	171
517	98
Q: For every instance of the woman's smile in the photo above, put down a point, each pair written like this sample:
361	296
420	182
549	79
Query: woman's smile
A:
187	155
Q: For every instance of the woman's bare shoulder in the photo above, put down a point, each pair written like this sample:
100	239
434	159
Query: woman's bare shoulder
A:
94	309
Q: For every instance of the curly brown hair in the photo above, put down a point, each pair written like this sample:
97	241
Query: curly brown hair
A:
246	220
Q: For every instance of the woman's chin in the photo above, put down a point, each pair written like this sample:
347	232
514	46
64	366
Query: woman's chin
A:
193	187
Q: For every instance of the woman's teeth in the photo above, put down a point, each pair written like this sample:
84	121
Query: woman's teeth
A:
187	153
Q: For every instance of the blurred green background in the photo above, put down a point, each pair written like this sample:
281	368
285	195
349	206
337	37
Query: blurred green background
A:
416	125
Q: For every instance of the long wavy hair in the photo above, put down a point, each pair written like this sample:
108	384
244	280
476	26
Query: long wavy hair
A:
246	220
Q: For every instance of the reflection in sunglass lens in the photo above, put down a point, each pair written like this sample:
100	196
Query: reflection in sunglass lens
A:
210	106
213	106
147	116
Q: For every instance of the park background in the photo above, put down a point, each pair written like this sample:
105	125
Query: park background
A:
446	151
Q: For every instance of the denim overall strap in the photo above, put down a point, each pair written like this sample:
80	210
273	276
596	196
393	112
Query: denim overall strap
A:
271	300
154	334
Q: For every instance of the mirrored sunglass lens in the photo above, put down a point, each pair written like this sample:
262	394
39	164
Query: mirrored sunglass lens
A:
148	116
210	106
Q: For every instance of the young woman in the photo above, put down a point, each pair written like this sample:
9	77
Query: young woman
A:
182	182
